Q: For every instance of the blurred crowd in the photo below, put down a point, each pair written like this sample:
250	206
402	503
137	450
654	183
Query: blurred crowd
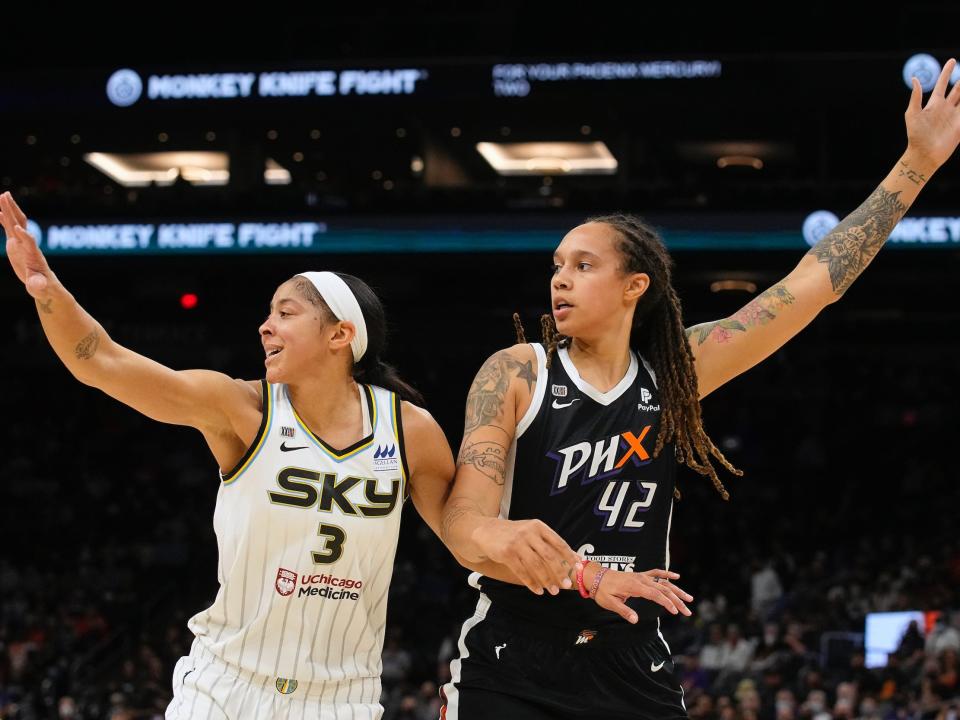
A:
848	506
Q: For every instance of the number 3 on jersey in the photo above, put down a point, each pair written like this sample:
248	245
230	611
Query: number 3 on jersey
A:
613	500
333	547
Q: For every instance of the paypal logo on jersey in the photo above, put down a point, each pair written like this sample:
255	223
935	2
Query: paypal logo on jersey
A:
572	460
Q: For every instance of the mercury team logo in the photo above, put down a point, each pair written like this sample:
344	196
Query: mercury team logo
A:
286	686
285	584
585	636
606	458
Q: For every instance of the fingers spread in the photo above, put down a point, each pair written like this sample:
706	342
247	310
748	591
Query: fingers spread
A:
940	89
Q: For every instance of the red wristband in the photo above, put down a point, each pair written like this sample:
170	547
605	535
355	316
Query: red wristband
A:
580	586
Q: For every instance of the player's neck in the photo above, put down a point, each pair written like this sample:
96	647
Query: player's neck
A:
602	361
328	405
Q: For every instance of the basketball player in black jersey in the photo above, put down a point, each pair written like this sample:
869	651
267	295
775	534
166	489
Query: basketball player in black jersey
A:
569	452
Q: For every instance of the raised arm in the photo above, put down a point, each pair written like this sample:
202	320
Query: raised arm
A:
206	400
725	348
471	526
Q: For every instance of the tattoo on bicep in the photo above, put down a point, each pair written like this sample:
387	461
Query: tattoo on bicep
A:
46	307
759	311
489	390
850	247
87	347
911	175
490	458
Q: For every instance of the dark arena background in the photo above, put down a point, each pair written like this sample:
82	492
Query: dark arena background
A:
176	170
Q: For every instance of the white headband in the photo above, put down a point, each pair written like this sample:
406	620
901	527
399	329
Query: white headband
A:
344	306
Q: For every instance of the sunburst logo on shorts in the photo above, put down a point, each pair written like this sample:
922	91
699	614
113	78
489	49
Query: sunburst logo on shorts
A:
286	686
585	636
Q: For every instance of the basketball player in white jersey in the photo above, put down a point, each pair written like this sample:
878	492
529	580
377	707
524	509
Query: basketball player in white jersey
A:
315	462
579	438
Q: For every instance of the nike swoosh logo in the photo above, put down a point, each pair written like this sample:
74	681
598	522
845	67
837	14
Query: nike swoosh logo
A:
284	448
656	668
559	405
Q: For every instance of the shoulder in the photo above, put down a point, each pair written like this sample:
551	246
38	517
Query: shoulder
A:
519	353
252	389
515	362
425	444
417	422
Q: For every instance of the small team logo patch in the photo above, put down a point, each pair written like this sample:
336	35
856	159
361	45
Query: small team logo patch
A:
286	686
285	584
384	451
559	390
286	431
645	395
585	636
385	458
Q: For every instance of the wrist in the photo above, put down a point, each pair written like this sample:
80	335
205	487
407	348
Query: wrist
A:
481	532
918	162
590	574
581	585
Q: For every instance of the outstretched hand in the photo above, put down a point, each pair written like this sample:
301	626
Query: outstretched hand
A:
933	131
656	585
28	262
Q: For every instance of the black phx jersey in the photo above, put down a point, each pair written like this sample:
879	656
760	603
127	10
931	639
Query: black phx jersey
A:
583	463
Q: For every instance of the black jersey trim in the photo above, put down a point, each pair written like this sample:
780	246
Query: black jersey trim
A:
397	408
341	455
266	419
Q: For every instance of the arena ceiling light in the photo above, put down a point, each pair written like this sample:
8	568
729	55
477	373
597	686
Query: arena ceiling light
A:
749	153
549	158
731	284
276	174
163	168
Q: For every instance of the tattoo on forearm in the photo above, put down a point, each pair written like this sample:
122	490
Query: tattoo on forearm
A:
759	311
45	307
87	347
850	247
911	175
490	458
455	510
486	397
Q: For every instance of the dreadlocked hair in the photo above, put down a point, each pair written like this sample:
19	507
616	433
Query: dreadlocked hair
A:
659	336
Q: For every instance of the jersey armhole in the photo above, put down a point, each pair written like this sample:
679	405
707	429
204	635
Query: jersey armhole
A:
397	417
539	389
266	407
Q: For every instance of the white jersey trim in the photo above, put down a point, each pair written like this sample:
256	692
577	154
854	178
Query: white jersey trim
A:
450	691
604	398
539	390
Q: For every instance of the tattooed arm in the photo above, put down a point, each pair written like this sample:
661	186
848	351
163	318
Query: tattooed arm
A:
471	527
725	348
210	401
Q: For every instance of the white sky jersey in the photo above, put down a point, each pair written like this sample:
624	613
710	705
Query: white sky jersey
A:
307	535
